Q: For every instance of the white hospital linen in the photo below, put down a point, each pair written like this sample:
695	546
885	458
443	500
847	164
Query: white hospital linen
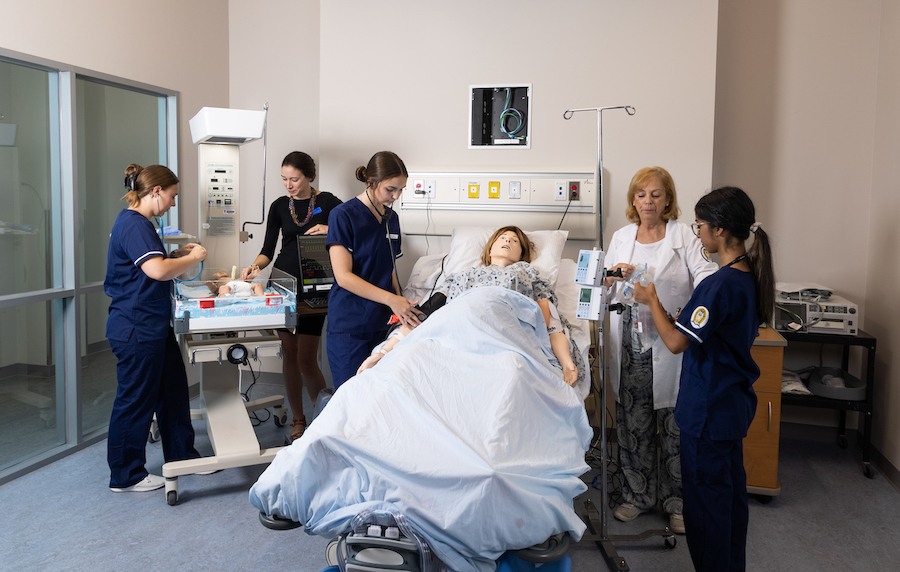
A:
464	427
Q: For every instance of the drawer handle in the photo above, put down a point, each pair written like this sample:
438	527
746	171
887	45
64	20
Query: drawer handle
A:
770	417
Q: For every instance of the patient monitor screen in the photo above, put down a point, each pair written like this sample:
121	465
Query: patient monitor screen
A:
315	264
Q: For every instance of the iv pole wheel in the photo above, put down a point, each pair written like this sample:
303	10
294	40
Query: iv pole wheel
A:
670	542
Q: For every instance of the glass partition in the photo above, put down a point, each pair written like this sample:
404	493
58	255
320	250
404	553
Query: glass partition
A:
66	137
32	417
28	125
116	127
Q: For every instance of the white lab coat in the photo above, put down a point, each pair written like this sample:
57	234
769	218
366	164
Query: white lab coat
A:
681	267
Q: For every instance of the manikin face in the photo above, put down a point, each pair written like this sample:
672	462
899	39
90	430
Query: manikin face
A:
506	249
295	182
388	191
650	201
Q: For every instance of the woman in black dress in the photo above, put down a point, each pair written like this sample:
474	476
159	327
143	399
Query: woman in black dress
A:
304	210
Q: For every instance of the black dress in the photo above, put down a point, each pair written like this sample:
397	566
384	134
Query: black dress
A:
288	259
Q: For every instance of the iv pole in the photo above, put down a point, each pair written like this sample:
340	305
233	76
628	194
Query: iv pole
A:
601	537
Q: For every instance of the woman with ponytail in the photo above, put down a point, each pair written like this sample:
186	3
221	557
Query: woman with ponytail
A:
716	402
363	243
150	371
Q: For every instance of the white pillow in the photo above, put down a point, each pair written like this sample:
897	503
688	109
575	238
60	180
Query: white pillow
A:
468	242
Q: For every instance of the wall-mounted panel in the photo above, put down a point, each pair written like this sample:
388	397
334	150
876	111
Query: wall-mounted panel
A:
436	202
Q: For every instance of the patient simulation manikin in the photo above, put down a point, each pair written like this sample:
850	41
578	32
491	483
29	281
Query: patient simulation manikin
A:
221	286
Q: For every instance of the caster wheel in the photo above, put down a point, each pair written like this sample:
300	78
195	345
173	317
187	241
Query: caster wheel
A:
764	499
172	497
868	471
280	419
842	441
670	541
331	553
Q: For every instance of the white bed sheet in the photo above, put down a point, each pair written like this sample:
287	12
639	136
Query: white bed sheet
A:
465	428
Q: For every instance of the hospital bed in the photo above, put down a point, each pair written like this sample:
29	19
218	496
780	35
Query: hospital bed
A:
229	330
465	432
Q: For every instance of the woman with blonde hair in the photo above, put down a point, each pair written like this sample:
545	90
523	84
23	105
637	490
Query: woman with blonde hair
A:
645	379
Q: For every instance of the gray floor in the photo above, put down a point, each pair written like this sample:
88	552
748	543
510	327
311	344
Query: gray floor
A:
63	517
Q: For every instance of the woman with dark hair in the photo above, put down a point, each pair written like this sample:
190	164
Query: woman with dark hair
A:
303	210
149	368
716	403
644	375
363	243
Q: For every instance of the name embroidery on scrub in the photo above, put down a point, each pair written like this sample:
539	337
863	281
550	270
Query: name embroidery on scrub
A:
699	317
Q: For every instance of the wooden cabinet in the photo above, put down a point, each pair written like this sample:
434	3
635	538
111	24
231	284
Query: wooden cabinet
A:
761	443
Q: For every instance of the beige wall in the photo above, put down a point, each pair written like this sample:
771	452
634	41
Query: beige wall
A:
274	58
806	122
399	79
173	44
883	261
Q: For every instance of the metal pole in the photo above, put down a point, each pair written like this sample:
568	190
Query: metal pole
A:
604	541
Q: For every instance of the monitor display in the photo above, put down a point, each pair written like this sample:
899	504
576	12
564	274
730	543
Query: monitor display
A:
315	264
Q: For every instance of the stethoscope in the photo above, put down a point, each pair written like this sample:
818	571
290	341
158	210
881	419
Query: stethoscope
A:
385	217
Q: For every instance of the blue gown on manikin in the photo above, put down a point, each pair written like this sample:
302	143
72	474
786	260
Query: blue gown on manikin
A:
150	371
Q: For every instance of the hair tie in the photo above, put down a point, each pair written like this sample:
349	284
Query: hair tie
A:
754	227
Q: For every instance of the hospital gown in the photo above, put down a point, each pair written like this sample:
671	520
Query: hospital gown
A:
523	278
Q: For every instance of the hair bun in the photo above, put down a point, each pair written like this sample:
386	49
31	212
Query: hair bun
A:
361	174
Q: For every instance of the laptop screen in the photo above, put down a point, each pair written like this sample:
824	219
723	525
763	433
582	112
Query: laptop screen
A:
316	276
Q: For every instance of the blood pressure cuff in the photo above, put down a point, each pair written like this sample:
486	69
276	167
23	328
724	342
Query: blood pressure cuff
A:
423	310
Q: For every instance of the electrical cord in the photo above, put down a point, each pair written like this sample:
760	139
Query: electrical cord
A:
568	204
515	114
255	420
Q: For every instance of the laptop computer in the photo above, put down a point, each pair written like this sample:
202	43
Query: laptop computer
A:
316	276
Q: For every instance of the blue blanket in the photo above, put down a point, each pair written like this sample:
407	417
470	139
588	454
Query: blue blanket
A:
465	428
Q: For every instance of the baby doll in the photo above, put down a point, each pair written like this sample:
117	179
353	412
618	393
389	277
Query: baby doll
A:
222	285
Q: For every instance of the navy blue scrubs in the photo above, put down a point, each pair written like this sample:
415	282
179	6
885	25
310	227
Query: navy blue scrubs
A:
716	404
150	371
356	325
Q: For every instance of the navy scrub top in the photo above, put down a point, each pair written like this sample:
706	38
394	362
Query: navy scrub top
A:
140	306
718	372
352	225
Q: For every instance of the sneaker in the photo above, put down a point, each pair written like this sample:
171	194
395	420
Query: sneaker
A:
676	523
628	512
149	483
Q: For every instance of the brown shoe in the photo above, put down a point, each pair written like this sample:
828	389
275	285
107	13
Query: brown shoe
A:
298	427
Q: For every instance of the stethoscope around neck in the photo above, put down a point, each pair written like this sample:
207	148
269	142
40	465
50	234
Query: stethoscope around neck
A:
385	217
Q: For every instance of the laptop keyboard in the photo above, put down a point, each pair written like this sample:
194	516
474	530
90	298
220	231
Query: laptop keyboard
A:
317	302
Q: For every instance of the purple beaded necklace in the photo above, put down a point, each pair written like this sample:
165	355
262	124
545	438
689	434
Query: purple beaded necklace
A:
309	211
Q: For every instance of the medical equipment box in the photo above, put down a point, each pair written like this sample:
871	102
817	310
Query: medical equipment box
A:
816	315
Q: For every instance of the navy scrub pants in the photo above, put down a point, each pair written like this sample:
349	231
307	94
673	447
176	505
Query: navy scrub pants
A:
715	502
347	351
152	380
